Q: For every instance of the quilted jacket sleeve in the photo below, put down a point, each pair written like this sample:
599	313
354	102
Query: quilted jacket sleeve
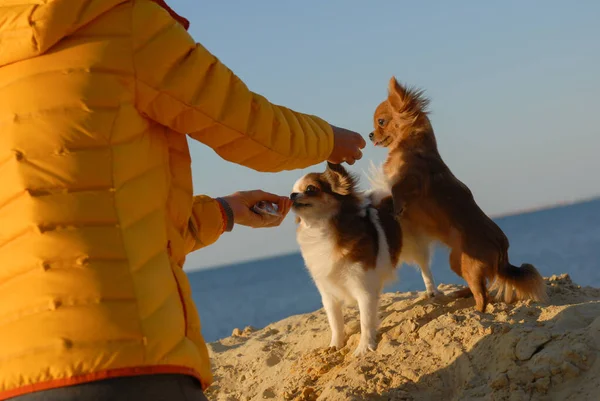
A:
182	85
207	222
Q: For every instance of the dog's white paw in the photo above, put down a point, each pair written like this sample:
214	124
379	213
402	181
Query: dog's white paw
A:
432	293
337	343
365	347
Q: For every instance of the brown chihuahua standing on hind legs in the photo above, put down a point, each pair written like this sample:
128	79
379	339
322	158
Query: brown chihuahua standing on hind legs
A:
429	198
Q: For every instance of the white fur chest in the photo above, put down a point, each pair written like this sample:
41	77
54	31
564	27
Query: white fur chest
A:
392	168
317	247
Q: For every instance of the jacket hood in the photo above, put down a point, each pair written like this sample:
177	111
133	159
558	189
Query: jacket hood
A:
29	28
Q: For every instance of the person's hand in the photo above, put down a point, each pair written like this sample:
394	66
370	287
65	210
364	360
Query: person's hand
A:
347	146
241	205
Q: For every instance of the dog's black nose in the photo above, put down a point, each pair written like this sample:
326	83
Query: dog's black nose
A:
293	196
371	135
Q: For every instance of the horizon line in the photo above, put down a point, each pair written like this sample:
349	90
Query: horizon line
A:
534	209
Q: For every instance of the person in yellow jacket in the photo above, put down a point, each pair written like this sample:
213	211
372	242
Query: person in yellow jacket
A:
97	100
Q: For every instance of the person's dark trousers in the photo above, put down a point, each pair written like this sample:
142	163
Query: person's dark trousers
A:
163	387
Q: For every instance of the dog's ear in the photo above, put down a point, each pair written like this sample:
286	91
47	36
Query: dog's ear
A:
336	168
396	93
341	181
407	101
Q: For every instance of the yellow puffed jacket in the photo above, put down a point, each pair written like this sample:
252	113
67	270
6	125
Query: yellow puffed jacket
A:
97	212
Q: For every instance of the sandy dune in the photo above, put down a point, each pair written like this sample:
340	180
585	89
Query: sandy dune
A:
438	349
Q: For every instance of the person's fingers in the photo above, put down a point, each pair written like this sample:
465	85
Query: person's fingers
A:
271	221
350	161
254	220
278	221
282	206
284	201
361	141
260	195
243	201
268	220
358	155
287	205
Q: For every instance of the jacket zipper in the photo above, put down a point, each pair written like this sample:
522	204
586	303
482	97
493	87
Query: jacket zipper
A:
181	297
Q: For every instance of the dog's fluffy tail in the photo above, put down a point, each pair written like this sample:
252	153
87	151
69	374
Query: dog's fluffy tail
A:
519	283
379	187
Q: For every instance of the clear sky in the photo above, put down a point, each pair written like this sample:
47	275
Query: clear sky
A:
515	89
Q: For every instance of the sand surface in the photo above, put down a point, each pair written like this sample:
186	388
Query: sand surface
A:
429	349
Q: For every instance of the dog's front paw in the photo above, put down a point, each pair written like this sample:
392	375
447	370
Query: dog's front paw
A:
365	347
432	293
337	343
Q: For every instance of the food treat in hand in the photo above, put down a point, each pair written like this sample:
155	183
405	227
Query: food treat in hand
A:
264	207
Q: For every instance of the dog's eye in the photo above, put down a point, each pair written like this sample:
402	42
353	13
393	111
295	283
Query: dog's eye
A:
381	122
311	189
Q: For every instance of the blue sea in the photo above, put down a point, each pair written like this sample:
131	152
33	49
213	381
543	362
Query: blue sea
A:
563	239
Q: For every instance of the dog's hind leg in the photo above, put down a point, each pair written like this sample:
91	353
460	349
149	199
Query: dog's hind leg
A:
473	275
335	316
423	259
455	260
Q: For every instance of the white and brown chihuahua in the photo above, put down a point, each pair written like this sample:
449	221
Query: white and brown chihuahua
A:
351	244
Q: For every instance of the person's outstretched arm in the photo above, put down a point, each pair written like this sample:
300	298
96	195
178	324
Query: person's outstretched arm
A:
182	85
211	217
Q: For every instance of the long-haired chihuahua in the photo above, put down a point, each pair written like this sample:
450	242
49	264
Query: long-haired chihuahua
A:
351	244
429	198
